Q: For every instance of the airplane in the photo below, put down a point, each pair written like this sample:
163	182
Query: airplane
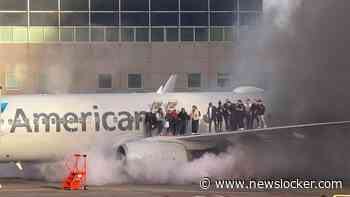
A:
47	128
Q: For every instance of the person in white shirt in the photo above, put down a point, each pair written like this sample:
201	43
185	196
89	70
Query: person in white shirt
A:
195	116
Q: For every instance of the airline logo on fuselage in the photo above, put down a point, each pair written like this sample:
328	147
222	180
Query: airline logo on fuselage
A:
73	121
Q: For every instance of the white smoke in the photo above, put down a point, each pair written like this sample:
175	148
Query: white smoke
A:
104	169
282	10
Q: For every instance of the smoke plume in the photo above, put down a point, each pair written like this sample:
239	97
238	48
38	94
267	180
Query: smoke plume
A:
299	54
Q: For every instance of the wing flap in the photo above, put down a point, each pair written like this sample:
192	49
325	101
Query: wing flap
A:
272	134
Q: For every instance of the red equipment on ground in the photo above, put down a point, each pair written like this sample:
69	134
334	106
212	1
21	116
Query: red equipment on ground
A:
76	179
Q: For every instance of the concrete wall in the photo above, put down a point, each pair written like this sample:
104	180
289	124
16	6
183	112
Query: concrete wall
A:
73	67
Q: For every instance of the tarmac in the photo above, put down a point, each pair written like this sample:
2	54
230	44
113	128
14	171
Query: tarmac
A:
31	188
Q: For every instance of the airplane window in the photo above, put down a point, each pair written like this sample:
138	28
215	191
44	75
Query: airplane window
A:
2	121
10	121
53	121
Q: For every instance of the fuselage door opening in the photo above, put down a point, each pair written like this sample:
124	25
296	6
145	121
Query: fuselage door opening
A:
171	105
156	105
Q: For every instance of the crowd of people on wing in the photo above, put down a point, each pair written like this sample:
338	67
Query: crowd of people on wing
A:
234	115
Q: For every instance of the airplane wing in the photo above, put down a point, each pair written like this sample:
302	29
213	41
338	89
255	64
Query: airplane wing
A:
308	133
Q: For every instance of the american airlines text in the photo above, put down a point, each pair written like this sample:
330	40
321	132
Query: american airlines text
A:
72	121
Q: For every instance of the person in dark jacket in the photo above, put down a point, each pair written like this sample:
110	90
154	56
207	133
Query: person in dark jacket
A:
254	114
148	124
167	122
173	121
211	114
219	117
261	114
240	114
233	117
183	118
227	114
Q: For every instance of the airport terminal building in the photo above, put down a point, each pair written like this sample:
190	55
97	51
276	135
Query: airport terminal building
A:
89	46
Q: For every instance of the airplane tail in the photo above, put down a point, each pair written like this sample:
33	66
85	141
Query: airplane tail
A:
169	85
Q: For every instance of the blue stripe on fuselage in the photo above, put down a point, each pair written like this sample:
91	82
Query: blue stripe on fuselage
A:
3	106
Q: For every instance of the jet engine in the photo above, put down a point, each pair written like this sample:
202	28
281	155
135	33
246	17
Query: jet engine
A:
152	151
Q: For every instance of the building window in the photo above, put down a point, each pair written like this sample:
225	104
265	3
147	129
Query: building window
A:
104	5
251	5
201	34
13	19
223	5
112	34
82	34
76	5
157	34
216	34
67	34
105	81
127	34
194	5
164	19
164	5
172	34
223	80
51	34
16	5
194	19
97	34
194	80
44	19
104	19
13	79
36	34
43	5
74	19
142	34
187	34
134	81
222	19
134	5
134	19
20	34
6	34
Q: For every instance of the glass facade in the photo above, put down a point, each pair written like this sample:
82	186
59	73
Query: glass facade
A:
128	20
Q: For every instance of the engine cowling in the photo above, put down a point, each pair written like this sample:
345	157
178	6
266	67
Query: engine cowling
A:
148	151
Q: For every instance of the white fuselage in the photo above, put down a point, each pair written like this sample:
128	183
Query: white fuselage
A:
48	127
